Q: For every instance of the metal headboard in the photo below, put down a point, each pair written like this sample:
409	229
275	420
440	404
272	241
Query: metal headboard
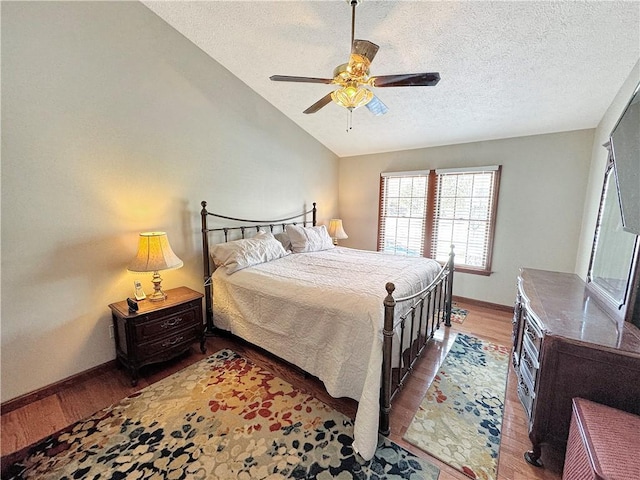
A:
253	224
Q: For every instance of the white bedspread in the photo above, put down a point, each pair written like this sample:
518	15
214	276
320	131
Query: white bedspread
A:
323	312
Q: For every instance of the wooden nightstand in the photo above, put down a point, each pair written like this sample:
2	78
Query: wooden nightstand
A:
158	331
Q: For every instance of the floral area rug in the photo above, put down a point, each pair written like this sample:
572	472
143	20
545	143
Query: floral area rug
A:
458	314
221	418
460	418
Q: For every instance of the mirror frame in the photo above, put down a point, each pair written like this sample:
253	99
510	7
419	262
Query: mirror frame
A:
624	311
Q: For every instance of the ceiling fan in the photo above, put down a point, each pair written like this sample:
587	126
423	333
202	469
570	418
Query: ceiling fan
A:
353	78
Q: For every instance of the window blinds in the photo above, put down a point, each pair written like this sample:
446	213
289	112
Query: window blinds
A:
403	213
425	212
464	216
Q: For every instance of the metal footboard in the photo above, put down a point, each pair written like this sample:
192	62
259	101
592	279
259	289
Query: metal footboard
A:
423	312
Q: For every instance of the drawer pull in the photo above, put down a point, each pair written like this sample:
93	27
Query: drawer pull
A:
172	322
171	343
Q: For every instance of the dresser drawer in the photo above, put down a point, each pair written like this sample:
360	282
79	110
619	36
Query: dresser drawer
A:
166	324
529	360
532	332
525	394
517	309
526	390
517	323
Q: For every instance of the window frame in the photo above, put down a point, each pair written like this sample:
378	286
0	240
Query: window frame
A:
413	174
431	205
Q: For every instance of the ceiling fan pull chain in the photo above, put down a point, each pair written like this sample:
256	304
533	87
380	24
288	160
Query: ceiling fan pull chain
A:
349	120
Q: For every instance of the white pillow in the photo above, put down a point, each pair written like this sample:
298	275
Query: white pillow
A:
284	239
309	239
239	254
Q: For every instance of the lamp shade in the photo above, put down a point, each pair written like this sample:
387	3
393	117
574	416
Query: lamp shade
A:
335	229
154	253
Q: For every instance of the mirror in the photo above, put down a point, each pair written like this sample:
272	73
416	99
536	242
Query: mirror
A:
625	147
614	247
614	254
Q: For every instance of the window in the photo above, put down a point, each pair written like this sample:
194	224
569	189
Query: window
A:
403	213
425	212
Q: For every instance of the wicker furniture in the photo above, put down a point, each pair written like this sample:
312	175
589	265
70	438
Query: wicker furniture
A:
604	443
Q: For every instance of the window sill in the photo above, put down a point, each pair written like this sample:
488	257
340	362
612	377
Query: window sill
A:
472	271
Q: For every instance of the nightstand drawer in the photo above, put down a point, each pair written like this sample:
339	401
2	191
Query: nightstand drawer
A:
165	325
166	344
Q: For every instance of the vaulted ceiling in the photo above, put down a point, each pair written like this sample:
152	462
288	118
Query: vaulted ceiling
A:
508	68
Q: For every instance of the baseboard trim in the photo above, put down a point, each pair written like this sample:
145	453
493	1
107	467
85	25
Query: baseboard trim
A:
481	303
54	388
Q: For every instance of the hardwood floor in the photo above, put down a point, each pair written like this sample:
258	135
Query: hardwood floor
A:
32	422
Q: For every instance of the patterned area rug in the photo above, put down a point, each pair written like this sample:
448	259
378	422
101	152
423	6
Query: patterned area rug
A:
458	314
221	418
460	417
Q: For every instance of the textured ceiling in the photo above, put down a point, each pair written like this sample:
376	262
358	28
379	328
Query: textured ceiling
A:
508	68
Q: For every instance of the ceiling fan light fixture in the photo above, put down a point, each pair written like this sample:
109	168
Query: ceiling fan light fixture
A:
352	96
353	79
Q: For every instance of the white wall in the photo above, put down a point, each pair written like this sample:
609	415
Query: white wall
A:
113	124
542	188
599	158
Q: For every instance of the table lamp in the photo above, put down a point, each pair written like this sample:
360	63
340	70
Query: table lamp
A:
154	254
336	231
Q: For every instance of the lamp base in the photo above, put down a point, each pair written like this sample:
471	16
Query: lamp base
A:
158	295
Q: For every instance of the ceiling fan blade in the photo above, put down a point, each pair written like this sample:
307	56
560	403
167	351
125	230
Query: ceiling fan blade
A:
376	107
285	78
365	48
406	80
319	104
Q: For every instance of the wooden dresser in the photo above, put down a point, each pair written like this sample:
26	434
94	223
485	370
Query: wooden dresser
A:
566	346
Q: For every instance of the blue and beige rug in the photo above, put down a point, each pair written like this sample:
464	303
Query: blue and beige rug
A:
221	418
460	418
458	314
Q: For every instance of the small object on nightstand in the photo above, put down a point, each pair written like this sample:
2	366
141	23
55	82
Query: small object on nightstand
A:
157	331
133	305
138	291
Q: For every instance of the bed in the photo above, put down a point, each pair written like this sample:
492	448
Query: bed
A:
358	320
